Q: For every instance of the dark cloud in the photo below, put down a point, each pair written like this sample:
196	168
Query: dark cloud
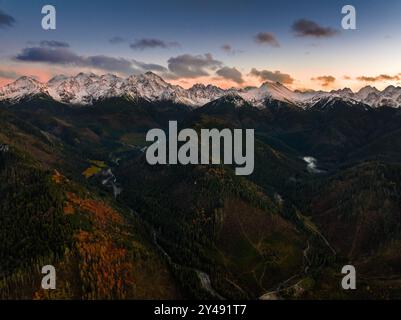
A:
308	28
267	38
147	43
382	77
48	55
6	20
54	44
8	74
109	63
150	66
325	80
231	74
64	56
116	40
189	66
275	76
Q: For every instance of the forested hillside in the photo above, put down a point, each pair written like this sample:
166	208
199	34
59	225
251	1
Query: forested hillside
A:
77	193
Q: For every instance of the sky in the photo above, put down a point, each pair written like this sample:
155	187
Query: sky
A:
234	43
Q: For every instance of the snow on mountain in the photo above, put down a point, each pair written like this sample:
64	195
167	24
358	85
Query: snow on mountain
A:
371	96
151	87
363	93
391	96
230	98
346	92
270	91
87	88
23	87
201	94
330	102
108	86
75	90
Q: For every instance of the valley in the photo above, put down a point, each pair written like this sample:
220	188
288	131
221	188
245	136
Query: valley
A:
78	193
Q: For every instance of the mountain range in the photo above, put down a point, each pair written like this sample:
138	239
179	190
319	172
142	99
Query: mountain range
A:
88	88
78	193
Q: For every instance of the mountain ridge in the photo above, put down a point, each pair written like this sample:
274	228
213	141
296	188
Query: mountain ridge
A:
88	88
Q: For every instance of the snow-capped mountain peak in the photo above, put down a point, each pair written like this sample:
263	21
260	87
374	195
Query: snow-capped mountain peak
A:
57	79
364	92
202	94
342	92
270	91
22	88
231	98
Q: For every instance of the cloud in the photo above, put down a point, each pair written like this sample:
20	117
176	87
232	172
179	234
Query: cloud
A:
229	49
149	66
54	44
48	55
116	40
226	48
8	74
64	56
6	20
109	63
347	77
231	74
267	38
325	80
275	76
190	66
382	77
308	28
148	43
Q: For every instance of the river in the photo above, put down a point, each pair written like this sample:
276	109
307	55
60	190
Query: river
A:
311	164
